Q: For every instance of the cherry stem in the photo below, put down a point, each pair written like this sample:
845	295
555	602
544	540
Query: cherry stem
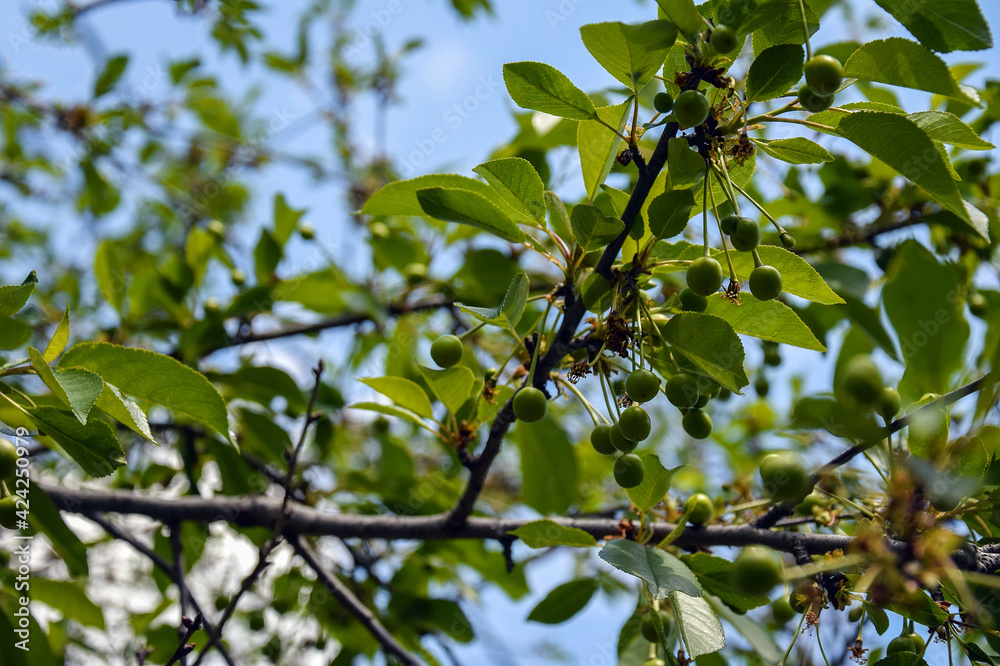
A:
809	51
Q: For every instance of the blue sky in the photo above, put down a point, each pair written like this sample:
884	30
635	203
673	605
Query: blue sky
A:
460	64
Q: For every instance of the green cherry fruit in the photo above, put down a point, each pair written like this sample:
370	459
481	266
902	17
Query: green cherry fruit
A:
256	620
856	614
746	237
918	642
307	231
756	570
682	390
691	108
900	644
8	459
805	507
824	74
530	404
663	102
620	441
765	283
724	39
221	602
787	240
217	229
447	351
692	302
238	277
628	470
761	386
978	305
782	611
863	381
648	625
380	231
699	508
703	400
635	423
415	273
728	224
697	423
8	512
600	439
704	276
812	102
642	385
784	478
888	402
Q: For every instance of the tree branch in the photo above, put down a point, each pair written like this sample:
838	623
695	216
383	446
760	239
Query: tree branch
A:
344	595
575	309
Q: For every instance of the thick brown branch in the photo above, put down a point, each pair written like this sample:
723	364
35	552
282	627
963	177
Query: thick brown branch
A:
563	342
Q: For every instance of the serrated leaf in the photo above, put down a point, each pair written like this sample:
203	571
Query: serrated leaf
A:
13	298
57	343
655	483
669	213
77	389
593	229
403	392
757	635
662	572
943	25
795	151
564	601
119	406
630	53
546	534
767	320
389	410
400	197
798	278
716	577
154	378
452	386
948	128
94	446
465	207
711	344
699	626
774	71
510	310
517	182
685	15
901	144
549	470
599	146
900	62
541	87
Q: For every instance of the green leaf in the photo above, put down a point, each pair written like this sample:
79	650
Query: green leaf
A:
549	471
699	626
57	343
711	344
452	386
94	446
901	62
716	577
795	151
782	24
901	144
545	534
465	207
154	378
517	182
119	406
943	25
510	310
13	298
404	392
630	53
400	197
662	572
558	217
541	87
798	278
655	483
948	128
564	602
774	71
685	166
767	320
593	229
599	146
68	598
45	517
113	70
685	16
757	634
389	410
669	213
267	254
902	659
921	299
78	389
110	274
286	219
